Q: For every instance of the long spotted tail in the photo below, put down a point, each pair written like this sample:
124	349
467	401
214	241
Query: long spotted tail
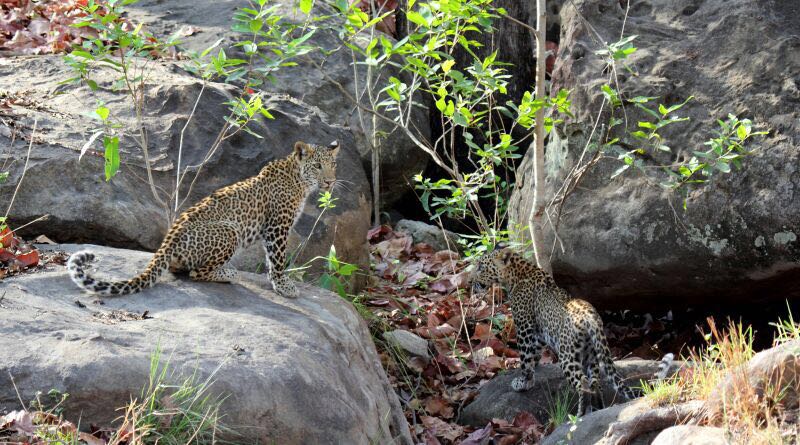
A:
608	368
157	266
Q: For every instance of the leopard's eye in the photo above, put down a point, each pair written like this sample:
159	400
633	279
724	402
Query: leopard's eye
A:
317	165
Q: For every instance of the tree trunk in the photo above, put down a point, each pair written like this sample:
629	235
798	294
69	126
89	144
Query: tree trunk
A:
536	217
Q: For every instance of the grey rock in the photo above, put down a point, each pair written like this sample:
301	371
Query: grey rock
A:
320	89
496	399
294	371
123	212
630	244
691	435
409	342
773	374
591	428
429	234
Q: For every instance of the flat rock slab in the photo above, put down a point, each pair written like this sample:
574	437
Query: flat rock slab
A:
294	371
591	428
497	400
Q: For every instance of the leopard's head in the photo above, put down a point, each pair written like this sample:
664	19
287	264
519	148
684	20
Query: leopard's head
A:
490	268
317	164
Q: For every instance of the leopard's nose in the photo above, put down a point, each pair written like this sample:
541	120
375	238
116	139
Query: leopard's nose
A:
329	183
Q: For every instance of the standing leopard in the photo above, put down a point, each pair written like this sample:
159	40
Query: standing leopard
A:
546	315
204	237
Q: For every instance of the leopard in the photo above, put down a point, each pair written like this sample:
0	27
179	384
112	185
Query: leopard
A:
546	315
262	208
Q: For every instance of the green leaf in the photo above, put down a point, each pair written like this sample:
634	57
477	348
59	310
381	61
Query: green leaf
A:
447	65
450	109
742	132
305	6
111	156
416	18
102	112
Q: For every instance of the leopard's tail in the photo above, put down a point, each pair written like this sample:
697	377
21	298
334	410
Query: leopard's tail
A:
157	266
608	369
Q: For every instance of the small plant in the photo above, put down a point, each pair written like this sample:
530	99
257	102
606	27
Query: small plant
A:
787	329
662	392
172	414
559	408
338	273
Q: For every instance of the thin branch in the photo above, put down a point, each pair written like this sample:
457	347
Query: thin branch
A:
180	146
24	170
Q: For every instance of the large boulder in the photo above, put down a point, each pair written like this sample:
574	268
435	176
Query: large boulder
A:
629	243
123	212
317	80
292	371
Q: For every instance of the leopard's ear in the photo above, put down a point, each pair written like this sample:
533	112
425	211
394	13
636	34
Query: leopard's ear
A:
334	148
506	254
301	150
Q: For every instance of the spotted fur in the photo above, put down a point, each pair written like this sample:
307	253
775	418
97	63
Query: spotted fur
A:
203	238
546	315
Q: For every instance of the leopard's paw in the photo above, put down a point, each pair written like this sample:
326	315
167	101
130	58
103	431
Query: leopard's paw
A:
284	286
522	383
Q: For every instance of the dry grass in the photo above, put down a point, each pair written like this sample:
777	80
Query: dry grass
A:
750	414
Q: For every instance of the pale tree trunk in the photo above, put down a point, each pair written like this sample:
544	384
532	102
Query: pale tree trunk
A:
536	216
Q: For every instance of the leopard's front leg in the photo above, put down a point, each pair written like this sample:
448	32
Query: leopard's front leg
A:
530	347
275	253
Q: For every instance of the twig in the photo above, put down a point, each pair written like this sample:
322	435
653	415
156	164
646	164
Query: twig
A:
180	147
24	170
16	390
41	218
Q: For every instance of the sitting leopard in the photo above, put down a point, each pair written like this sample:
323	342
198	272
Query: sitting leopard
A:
204	237
546	315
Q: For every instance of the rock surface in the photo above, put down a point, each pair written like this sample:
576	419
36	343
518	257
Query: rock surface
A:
773	374
123	212
691	435
315	87
294	371
591	428
409	342
429	234
628	243
497	400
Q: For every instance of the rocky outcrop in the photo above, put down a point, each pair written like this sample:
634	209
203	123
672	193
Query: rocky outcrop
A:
123	212
294	371
497	400
317	81
629	243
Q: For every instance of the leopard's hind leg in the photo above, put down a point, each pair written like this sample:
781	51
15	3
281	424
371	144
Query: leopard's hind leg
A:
211	246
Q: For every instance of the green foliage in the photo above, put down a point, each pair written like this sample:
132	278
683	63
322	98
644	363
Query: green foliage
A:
338	273
175	413
326	200
637	148
787	329
560	407
470	98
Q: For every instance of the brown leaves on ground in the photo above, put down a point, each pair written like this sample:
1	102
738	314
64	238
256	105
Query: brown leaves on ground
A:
42	428
426	292
42	27
17	256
